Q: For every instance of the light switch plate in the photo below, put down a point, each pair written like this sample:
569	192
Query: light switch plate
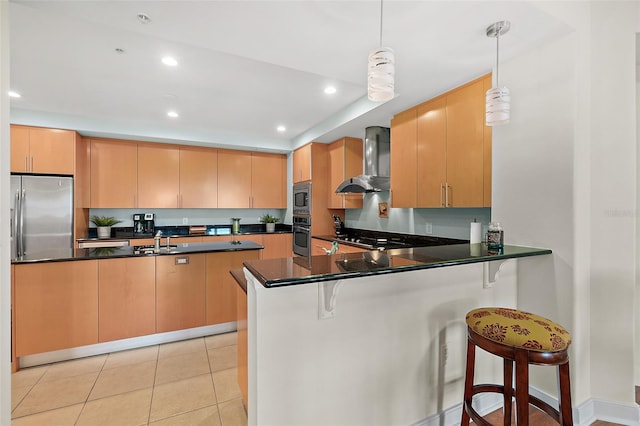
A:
185	220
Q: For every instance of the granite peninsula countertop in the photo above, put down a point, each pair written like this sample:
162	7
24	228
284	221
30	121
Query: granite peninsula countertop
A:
304	270
60	255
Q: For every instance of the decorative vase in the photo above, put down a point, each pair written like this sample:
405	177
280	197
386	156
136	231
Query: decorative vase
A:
271	227
104	232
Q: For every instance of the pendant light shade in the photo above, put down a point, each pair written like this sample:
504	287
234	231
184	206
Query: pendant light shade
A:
498	99
381	71
381	74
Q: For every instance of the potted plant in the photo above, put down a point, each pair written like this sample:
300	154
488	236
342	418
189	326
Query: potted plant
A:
104	224
270	221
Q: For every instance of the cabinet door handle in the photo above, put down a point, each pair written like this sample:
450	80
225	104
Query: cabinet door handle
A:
31	164
26	167
446	186
441	191
178	200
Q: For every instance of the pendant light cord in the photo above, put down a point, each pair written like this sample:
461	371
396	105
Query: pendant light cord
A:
499	29
380	23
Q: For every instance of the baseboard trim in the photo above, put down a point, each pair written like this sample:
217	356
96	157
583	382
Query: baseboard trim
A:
483	404
583	415
125	344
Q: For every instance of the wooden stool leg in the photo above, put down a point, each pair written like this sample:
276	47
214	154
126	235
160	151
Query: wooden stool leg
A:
508	390
522	388
468	382
566	414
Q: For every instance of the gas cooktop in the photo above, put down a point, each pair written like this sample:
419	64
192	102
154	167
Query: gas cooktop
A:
372	243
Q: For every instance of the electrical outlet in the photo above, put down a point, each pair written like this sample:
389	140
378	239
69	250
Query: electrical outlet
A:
185	220
428	228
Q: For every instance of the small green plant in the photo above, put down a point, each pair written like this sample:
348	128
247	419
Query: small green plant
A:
267	218
104	220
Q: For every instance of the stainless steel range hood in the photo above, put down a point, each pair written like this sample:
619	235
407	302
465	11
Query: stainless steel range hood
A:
377	144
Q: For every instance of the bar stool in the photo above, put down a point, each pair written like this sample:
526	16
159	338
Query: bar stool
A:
526	339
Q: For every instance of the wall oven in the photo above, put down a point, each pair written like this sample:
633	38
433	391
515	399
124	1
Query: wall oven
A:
302	199
302	235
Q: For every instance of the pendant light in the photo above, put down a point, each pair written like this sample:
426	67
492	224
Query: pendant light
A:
498	99
381	71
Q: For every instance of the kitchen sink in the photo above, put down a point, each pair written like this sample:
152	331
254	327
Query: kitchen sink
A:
150	249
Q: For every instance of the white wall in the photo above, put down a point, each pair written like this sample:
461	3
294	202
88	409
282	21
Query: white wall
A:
565	178
5	247
450	223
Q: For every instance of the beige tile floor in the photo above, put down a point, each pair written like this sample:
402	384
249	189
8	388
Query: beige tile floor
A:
193	382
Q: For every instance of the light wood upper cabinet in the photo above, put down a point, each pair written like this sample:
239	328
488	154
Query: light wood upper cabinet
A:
345	158
268	180
465	139
126	298
41	150
221	286
234	179
20	157
441	151
251	180
404	139
198	177
158	176
487	152
431	153
180	292
114	173
302	164
56	306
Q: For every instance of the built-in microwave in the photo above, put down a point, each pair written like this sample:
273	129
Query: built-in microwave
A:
302	198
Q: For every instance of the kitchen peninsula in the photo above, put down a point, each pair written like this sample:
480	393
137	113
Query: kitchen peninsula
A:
88	301
369	338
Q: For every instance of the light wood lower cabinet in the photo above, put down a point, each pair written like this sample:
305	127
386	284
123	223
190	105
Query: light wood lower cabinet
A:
56	306
180	292
127	298
277	246
221	287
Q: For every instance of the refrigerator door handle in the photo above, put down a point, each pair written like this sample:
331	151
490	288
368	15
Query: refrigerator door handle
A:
21	247
14	225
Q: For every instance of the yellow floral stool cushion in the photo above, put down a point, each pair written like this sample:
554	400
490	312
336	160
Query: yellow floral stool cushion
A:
519	329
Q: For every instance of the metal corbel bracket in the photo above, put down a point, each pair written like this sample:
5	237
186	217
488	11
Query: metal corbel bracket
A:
490	272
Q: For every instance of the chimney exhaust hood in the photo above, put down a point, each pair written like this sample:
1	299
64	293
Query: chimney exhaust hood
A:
377	144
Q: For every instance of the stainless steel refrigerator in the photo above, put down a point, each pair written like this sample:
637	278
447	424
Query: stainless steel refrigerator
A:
41	216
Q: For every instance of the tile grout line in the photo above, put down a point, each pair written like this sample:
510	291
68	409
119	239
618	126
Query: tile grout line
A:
213	383
84	404
153	386
29	391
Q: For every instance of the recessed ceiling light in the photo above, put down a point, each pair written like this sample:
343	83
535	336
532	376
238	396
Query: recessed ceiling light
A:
330	90
13	94
281	128
143	18
172	114
169	61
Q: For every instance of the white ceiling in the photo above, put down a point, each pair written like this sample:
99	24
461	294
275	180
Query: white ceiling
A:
247	66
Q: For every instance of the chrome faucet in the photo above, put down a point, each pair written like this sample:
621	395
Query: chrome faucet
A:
156	242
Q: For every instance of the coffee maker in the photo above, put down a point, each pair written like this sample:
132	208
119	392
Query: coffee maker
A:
143	224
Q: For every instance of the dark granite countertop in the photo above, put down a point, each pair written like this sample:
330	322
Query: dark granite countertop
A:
128	251
303	270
